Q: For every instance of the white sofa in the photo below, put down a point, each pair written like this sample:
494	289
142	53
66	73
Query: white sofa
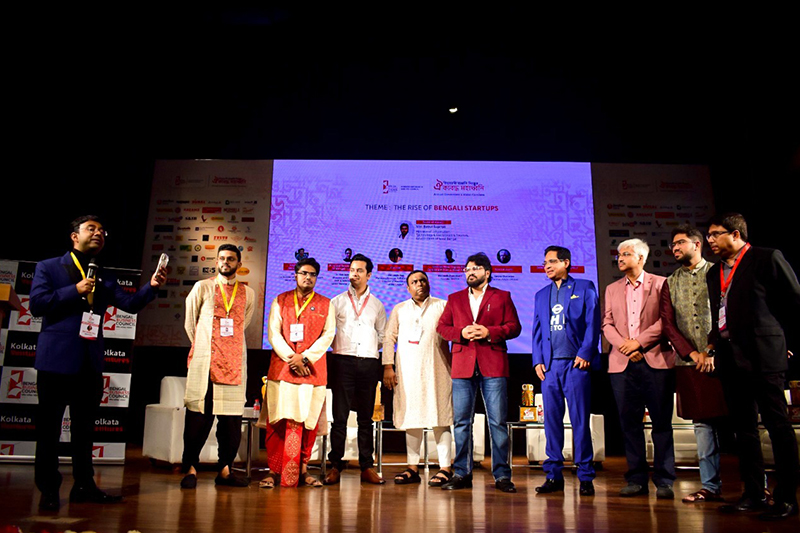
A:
163	428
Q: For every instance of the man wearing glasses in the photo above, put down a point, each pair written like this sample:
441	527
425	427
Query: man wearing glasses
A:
478	321
755	302
302	324
640	366
355	369
566	332
72	296
686	320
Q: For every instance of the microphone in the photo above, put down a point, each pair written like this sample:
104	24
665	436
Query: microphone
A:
91	271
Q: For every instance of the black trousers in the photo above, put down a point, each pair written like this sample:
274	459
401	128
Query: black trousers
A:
751	393
353	381
197	428
82	392
637	387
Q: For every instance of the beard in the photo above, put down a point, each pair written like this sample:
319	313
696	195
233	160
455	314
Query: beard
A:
476	282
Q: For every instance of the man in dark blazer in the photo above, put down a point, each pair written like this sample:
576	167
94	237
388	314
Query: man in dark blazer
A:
566	333
755	304
72	297
478	321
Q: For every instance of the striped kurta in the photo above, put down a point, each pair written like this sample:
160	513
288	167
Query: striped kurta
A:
199	325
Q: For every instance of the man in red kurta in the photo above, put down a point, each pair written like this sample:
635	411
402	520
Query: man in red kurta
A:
301	328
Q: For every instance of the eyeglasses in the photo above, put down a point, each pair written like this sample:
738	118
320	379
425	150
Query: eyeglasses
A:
678	243
552	262
91	230
624	254
467	270
715	234
306	274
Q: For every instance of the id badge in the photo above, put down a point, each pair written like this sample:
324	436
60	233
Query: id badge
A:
90	326
416	334
296	332
226	327
722	320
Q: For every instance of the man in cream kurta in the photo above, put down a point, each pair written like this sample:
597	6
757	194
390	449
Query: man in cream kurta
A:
421	377
302	324
218	310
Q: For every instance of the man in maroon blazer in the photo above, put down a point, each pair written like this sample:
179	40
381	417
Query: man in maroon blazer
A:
478	321
640	365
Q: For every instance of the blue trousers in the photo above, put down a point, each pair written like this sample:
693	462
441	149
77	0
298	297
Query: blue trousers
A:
563	382
495	398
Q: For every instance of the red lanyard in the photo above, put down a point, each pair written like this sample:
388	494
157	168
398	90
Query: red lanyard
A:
725	283
358	313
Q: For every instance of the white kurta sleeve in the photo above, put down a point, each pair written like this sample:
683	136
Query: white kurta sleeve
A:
321	345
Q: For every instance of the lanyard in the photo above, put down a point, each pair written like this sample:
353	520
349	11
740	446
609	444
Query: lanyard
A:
297	309
725	283
90	296
228	306
358	312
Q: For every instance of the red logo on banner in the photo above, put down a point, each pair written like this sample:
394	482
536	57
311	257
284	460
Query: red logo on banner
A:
110	319
385	186
25	316
106	387
6	449
15	384
97	451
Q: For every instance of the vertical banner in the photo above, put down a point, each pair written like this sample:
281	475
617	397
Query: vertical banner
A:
18	395
195	207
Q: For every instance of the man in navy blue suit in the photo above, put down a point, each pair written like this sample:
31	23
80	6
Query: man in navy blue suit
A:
566	332
72	297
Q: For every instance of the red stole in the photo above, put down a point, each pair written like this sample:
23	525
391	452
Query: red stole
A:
313	319
226	352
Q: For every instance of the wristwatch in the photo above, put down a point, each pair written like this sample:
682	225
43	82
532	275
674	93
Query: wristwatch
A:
306	361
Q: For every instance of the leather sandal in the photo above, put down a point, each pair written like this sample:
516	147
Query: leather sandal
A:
307	480
437	481
402	479
702	495
268	482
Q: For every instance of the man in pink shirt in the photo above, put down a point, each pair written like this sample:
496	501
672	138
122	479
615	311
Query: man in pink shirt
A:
640	365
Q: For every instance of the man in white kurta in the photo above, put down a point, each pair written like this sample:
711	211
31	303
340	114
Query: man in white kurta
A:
420	377
302	324
218	310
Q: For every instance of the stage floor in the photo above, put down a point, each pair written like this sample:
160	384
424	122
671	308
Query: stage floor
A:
155	503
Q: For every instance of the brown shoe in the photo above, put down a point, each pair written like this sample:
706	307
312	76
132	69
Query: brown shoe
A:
332	477
371	476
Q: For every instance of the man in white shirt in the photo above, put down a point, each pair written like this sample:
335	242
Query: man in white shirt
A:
354	369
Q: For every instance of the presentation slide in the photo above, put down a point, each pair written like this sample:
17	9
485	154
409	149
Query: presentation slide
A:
429	215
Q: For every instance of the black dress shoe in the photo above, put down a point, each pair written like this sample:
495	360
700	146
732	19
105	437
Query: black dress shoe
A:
91	495
189	481
779	511
587	488
50	501
458	483
232	481
551	485
745	503
505	485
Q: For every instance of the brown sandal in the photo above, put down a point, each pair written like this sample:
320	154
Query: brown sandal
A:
307	480
702	495
268	482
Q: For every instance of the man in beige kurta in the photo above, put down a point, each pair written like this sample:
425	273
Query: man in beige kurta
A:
218	310
420	377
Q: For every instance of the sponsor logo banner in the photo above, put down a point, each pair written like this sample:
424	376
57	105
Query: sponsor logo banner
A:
8	272
18	385
116	390
117	324
19	448
22	320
